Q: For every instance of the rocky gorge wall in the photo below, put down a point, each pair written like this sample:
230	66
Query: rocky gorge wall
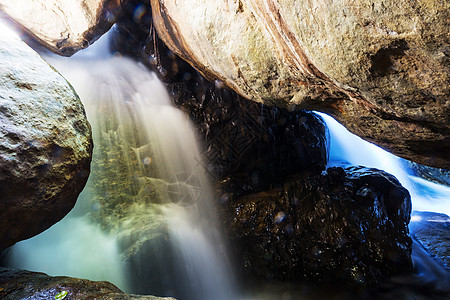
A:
267	163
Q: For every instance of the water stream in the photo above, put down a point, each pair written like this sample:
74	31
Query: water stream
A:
347	148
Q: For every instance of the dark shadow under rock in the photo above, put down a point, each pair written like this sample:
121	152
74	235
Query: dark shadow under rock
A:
348	225
21	284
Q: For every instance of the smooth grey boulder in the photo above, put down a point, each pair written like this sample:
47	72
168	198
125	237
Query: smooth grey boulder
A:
64	27
45	142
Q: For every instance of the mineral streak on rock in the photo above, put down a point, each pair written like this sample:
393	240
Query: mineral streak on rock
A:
380	67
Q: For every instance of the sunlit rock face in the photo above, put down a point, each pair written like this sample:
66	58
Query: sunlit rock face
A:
380	67
345	225
64	26
45	143
19	284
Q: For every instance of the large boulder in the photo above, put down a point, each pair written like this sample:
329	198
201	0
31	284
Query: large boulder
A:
346	225
380	67
45	143
21	284
64	27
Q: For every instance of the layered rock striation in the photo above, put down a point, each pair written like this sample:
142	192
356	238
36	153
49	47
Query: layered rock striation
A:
381	68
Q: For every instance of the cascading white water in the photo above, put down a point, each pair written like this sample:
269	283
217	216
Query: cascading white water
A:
146	159
346	147
74	247
425	196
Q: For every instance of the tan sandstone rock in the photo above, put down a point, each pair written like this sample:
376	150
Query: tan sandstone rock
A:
64	26
45	142
380	67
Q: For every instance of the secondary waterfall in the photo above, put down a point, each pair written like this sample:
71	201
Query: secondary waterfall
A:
146	219
425	196
346	147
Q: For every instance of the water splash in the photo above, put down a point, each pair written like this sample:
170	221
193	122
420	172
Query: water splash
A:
74	247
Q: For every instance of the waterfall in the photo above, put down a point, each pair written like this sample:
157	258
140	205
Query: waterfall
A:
146	220
147	212
347	148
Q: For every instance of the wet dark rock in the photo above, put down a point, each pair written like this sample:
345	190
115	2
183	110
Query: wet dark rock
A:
432	230
45	143
135	36
346	224
250	147
21	284
152	266
247	146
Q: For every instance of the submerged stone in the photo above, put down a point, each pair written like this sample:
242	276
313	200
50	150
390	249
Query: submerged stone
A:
348	225
45	142
438	175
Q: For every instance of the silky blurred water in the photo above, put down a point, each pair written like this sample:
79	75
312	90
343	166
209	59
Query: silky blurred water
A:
347	148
